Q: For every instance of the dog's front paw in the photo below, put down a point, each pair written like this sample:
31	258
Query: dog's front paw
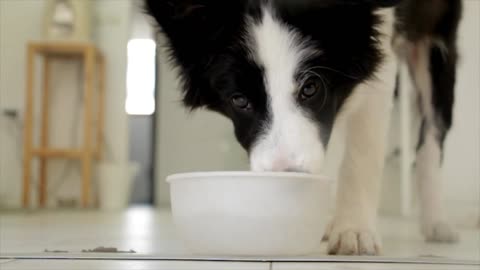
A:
353	241
439	232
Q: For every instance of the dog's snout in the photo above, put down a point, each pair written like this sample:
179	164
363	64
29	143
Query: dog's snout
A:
279	164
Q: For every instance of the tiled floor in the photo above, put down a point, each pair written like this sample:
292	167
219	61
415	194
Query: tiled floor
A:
129	265
368	266
184	265
26	236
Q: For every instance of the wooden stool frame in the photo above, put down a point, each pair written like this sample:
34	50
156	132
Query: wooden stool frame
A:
92	59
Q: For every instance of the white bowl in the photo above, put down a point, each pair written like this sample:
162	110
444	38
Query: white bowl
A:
250	213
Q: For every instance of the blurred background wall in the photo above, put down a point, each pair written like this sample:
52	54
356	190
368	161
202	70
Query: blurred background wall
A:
21	22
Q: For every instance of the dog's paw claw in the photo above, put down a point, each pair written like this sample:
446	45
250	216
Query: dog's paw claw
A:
328	231
325	237
440	232
353	242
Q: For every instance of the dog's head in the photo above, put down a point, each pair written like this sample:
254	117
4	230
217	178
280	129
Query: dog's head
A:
280	70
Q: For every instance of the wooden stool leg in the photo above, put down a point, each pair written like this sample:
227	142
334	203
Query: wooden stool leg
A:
27	136
89	66
86	174
101	100
44	132
100	80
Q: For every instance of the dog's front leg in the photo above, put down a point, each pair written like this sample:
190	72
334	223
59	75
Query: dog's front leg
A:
353	229
367	113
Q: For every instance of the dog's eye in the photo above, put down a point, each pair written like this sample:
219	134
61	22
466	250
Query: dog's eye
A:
241	102
308	90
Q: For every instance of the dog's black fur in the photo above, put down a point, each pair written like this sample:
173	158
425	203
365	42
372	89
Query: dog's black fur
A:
206	38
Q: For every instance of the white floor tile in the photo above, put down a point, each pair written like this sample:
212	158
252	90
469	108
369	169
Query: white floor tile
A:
143	230
368	266
129	265
150	231
4	261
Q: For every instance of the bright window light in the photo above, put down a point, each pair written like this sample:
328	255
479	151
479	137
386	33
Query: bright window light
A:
140	77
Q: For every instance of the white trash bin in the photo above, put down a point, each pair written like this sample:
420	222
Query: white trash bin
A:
115	182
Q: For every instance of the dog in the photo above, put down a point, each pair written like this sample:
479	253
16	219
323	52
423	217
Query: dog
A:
289	72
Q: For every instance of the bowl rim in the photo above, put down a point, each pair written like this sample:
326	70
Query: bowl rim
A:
283	175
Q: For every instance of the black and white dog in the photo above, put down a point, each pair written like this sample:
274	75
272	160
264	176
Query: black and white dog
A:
288	72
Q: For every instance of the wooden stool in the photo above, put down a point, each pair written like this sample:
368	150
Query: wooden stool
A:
92	59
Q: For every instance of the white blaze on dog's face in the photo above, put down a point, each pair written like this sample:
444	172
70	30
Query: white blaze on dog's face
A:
281	70
290	139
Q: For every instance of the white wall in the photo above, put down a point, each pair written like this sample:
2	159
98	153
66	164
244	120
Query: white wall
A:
15	31
20	22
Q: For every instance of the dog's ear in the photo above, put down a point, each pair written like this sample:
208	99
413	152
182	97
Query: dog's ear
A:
189	23
383	3
309	4
195	31
373	3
